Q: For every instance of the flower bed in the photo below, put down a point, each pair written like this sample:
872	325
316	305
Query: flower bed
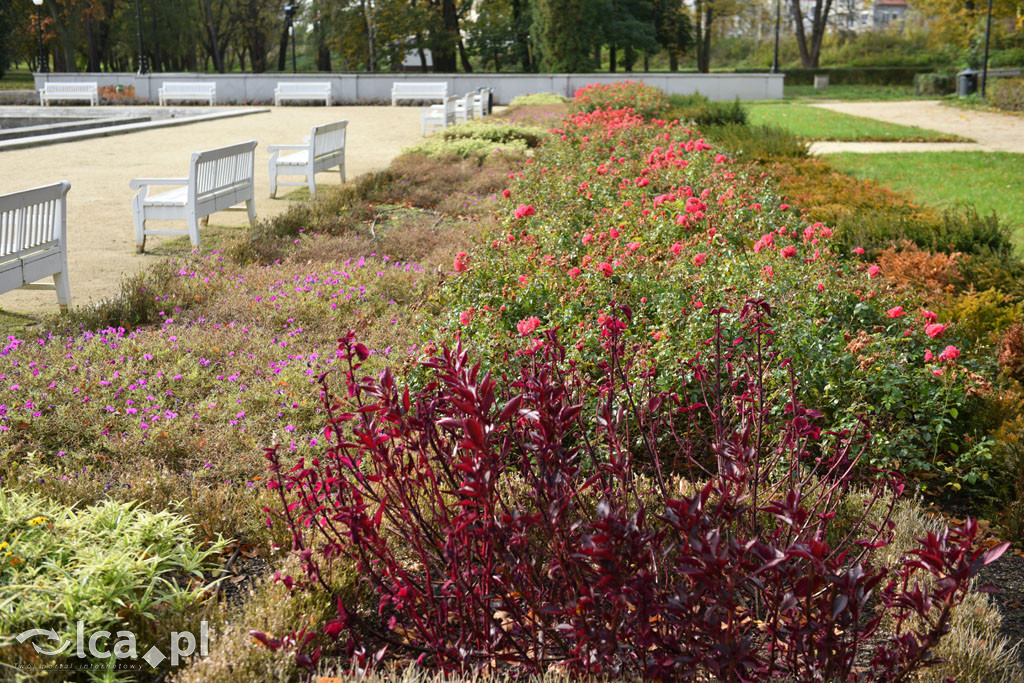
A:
624	212
633	443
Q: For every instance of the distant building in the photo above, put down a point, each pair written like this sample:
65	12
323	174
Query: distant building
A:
888	11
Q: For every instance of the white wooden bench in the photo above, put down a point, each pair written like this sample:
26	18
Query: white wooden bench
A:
187	90
302	90
482	102
438	115
464	109
69	91
34	240
217	179
324	150
418	91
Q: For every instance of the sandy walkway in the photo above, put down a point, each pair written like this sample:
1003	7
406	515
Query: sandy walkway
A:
993	132
101	239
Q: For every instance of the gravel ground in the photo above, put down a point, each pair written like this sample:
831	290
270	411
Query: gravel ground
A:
993	132
101	237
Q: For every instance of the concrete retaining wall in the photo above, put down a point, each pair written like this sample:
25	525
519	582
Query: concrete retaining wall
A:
368	88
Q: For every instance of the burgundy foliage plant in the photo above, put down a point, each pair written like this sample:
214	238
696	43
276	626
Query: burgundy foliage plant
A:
575	517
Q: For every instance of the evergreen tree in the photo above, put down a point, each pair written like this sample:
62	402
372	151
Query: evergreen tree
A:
630	27
565	32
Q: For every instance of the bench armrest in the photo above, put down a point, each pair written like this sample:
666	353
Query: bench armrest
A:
276	148
142	182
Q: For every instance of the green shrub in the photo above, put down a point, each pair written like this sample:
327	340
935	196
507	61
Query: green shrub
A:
112	566
492	131
935	83
463	147
538	99
135	304
868	75
702	112
757	143
1012	56
1007	93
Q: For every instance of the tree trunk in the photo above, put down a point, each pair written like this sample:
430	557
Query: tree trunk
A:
467	66
673	60
94	55
705	15
612	57
323	58
810	54
423	53
282	53
444	54
370	36
218	58
597	57
156	62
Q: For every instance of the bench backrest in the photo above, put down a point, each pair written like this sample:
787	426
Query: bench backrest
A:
70	88
417	88
304	87
33	219
328	140
222	177
186	88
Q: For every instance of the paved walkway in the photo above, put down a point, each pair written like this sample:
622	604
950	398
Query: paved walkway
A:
101	237
993	132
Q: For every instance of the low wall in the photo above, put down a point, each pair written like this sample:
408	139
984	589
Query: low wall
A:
368	88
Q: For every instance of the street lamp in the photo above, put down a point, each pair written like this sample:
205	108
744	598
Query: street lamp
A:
44	63
289	15
143	66
778	15
984	67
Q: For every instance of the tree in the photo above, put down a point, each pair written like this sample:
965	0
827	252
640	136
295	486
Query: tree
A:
672	29
809	56
630	26
957	23
565	32
488	35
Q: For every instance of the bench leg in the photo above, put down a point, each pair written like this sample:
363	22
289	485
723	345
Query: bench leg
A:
250	208
193	230
204	221
272	169
140	222
311	180
60	281
341	168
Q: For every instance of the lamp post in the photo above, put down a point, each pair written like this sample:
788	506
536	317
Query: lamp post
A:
143	66
289	14
775	58
984	66
44	63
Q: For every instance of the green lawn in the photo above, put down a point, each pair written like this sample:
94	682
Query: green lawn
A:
814	123
992	181
19	79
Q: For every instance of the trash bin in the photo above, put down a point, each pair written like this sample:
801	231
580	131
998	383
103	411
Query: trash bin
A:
966	82
820	81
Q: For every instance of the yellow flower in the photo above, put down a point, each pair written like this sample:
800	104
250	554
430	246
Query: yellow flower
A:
3	545
36	520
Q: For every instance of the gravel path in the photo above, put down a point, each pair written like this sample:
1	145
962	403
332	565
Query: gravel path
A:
101	237
993	132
